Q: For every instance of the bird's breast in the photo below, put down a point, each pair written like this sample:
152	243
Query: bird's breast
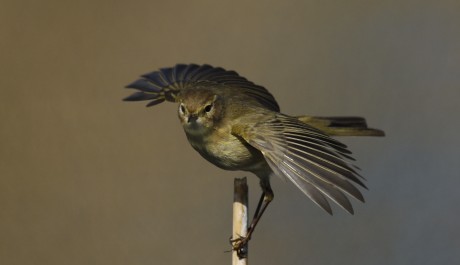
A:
225	150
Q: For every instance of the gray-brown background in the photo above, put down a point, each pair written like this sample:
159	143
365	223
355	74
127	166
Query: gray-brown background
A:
88	179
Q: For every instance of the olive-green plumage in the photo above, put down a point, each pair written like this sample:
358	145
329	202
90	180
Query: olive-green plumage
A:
237	125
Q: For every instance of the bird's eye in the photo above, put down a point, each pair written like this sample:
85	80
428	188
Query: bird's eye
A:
182	108
208	108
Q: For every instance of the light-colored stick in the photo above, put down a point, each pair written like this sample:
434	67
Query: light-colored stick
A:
240	216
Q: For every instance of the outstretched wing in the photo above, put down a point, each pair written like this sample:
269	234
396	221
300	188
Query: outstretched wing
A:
317	164
167	83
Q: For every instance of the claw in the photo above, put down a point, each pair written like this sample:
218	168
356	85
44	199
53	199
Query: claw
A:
240	245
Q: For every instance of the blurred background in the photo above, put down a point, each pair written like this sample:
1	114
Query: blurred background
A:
88	179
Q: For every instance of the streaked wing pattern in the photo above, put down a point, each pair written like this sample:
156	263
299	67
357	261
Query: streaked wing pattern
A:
167	83
317	164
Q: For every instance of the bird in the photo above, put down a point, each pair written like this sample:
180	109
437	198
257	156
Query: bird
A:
237	125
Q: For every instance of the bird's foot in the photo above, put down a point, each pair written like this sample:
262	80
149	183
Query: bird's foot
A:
240	245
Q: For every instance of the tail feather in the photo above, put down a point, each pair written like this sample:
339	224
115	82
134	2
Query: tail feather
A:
341	126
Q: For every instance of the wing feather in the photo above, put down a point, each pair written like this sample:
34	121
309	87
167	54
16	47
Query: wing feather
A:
306	187
167	83
310	159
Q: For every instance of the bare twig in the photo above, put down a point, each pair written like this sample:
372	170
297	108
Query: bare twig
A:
240	218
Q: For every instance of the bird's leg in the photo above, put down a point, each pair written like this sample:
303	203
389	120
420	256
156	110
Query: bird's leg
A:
240	244
259	204
261	207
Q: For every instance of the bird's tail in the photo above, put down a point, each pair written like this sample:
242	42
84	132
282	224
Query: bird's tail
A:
341	126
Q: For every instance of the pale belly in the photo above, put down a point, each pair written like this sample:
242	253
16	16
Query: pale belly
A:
228	152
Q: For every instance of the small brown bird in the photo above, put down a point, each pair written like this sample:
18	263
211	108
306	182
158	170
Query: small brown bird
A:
237	125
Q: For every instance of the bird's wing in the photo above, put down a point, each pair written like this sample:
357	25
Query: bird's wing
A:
317	164
166	84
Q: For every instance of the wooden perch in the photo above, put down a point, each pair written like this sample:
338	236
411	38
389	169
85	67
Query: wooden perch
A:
240	217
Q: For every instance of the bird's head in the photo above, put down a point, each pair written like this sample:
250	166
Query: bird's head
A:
199	110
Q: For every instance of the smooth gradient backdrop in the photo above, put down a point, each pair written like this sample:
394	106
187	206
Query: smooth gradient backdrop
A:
88	179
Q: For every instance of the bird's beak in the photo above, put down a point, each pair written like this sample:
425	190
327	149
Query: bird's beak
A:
192	118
